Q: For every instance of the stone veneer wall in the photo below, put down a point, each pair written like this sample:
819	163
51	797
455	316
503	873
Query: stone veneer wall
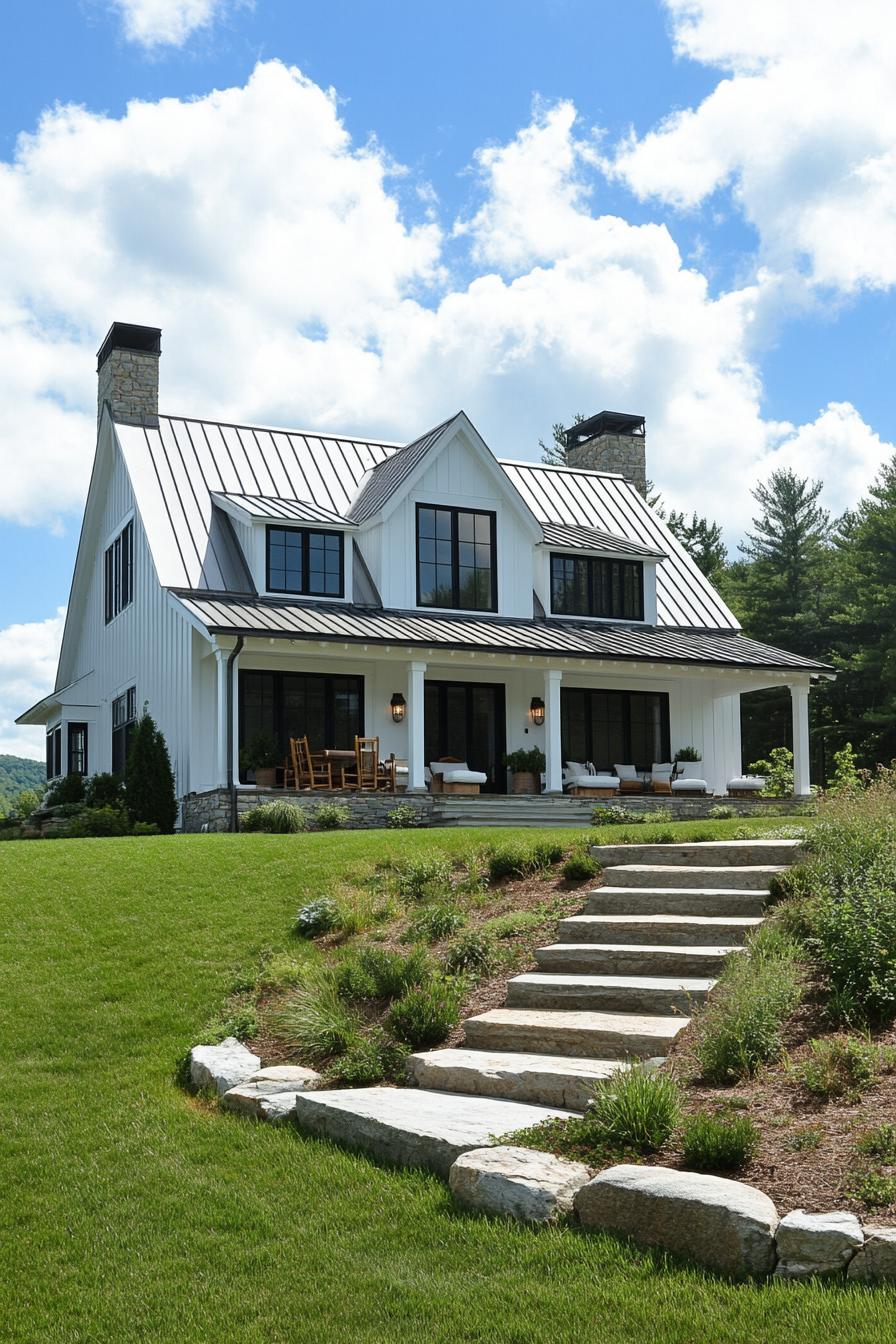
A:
129	381
367	810
625	454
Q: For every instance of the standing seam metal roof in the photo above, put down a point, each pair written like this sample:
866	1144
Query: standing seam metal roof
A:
594	539
386	477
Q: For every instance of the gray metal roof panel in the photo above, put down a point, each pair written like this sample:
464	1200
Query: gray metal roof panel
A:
567	496
579	537
222	613
386	477
294	510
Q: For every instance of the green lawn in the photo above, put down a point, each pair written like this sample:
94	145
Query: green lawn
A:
130	1212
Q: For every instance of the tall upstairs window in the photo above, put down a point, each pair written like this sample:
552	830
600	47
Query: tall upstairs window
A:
592	586
456	559
306	562
124	716
54	753
118	573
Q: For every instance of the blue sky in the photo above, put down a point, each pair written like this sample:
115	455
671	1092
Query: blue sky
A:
389	211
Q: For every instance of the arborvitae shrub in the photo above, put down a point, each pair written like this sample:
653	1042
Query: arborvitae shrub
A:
150	792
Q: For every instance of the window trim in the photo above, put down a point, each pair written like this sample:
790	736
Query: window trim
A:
455	511
73	728
114	571
305	533
592	561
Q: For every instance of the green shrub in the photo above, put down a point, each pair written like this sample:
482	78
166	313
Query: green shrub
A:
373	972
839	1066
777	772
472	952
847	777
665	836
99	822
371	1060
617	816
874	1190
23	804
426	1014
660	816
67	789
718	1143
546	853
315	1020
403	817
805	1140
150	793
521	860
423	876
472	880
238	1018
722	812
634	1110
513	923
277	817
579	867
435	922
145	828
879	1143
104	790
330	816
317	917
740	1026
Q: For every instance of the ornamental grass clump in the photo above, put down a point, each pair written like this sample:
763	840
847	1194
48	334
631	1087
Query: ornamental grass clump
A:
373	972
580	867
426	1014
839	1066
717	1142
633	1111
314	1020
277	817
423	877
434	923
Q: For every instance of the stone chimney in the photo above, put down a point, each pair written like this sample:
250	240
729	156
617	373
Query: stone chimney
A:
610	441
127	365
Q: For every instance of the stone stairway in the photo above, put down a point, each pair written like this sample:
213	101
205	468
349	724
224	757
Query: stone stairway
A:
618	986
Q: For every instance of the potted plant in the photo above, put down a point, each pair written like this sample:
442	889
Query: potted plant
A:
261	757
525	770
686	761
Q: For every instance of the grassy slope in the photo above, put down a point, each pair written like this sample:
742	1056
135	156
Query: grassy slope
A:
131	1213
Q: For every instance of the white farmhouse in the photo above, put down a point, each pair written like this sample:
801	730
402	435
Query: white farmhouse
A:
245	581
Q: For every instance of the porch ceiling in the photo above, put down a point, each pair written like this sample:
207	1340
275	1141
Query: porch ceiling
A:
227	615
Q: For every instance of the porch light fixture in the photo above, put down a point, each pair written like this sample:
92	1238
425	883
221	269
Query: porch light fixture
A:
536	710
398	706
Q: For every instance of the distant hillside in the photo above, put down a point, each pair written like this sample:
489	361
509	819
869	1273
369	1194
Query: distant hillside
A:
18	773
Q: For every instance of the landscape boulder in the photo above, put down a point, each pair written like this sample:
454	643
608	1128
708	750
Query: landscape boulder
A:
274	1107
222	1066
284	1078
877	1258
723	1224
517	1183
816	1243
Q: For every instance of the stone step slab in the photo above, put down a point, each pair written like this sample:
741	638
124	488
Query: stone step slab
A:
254	1100
754	877
222	1066
718	901
547	1080
415	1127
714	853
666	929
816	1244
520	1183
587	1035
285	1078
723	1224
633	959
607	993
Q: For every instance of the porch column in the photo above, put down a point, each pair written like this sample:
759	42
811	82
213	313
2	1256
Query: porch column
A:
221	724
553	775
416	763
799	703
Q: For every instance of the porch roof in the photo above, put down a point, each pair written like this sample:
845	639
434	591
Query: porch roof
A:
229	615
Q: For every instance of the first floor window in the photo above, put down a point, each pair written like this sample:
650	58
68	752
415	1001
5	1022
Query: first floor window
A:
328	710
124	716
456	559
77	748
118	572
584	585
614	727
304	561
54	753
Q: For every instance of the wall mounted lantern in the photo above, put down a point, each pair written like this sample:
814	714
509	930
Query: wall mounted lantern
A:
398	706
536	710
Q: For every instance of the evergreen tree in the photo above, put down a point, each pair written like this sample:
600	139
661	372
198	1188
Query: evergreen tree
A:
149	792
703	542
554	453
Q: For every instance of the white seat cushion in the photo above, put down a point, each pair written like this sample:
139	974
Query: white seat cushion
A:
747	782
593	782
626	771
689	786
464	777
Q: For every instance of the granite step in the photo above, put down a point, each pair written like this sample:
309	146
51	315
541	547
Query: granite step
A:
632	959
716	901
546	1080
700	853
608	993
667	929
754	877
415	1127
586	1035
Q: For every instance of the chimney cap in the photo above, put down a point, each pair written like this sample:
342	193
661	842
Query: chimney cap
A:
605	422
128	336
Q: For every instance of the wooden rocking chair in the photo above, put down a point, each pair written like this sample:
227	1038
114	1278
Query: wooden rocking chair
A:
308	773
369	773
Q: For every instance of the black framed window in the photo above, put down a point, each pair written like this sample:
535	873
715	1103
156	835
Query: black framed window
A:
614	727
118	573
303	561
584	585
54	753
77	748
124	717
329	710
456	559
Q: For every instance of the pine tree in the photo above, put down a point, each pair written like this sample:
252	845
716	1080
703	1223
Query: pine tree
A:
554	453
149	793
702	540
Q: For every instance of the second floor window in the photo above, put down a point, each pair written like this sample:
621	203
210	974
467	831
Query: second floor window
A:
305	562
456	559
118	573
591	586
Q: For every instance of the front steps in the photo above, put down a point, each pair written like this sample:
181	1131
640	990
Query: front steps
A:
617	987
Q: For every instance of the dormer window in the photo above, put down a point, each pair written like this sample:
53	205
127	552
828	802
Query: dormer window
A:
595	586
456	559
306	562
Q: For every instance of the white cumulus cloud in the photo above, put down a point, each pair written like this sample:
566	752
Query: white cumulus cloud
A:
166	23
28	654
